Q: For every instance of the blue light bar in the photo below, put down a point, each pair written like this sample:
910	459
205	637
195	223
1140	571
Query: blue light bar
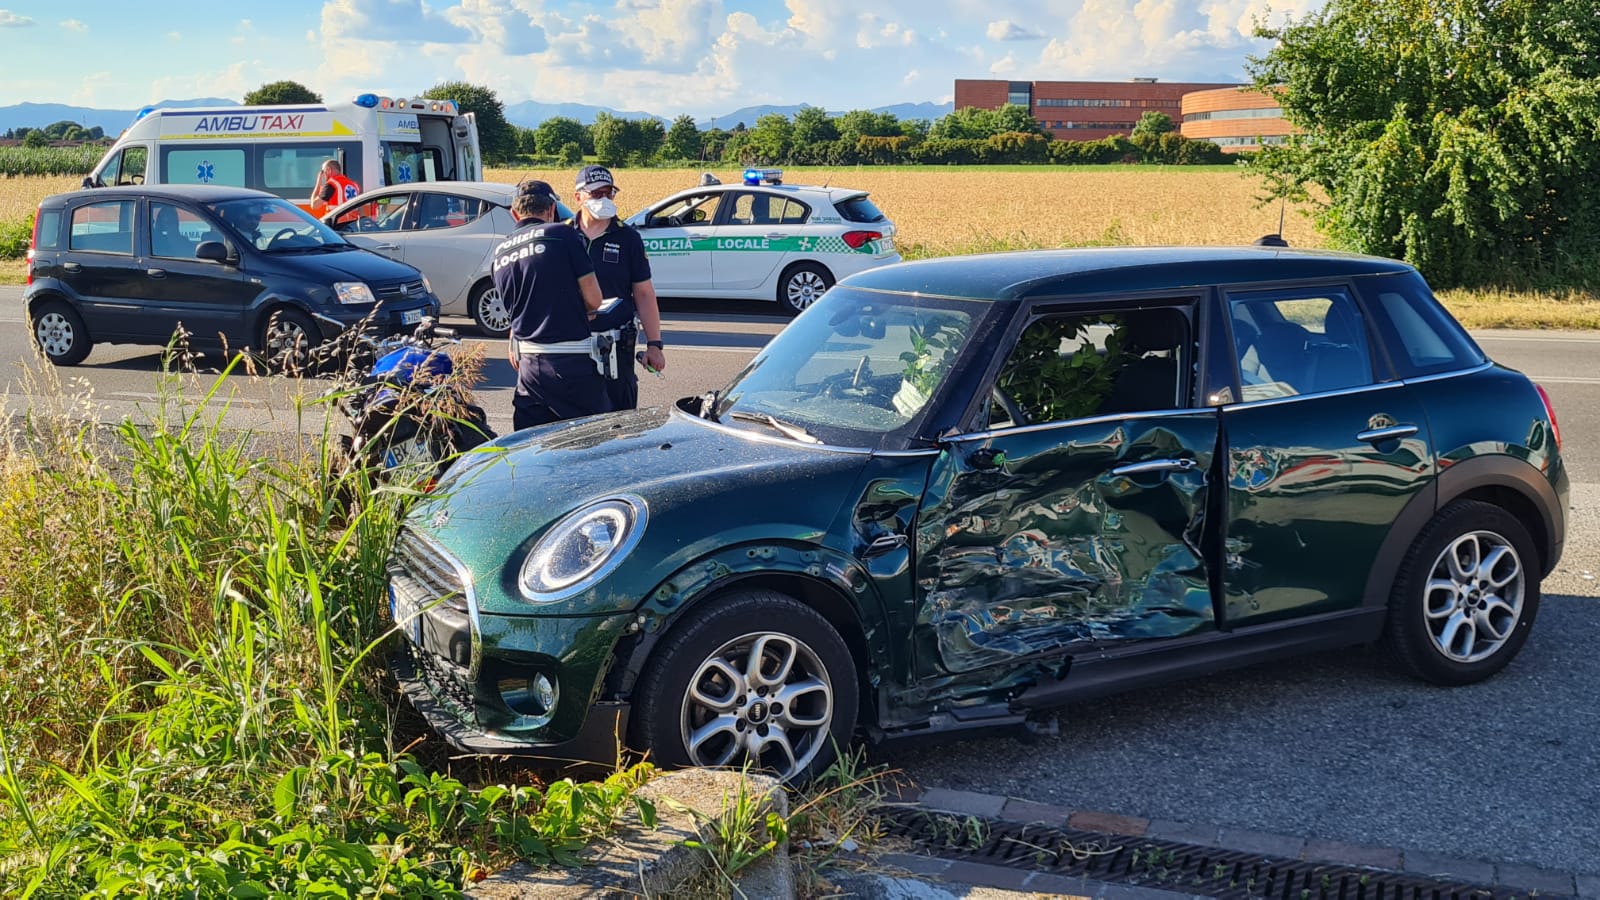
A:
142	113
370	101
758	176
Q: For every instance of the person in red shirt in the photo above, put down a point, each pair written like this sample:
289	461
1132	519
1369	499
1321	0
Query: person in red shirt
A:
332	188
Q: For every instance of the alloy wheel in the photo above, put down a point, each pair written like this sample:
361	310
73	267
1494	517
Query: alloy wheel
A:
288	344
1474	596
765	697
492	311
804	287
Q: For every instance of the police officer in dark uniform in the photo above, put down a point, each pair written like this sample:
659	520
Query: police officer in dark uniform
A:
548	284
620	263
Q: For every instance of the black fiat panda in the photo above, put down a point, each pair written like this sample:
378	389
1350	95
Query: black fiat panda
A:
234	267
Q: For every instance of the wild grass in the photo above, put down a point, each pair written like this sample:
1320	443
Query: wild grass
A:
192	629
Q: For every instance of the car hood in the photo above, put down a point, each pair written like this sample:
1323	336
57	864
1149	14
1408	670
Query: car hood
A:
705	487
348	265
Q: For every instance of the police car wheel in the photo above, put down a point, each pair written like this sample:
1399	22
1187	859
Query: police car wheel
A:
489	311
801	285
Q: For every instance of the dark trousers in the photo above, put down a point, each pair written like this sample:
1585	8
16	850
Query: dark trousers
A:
556	386
623	389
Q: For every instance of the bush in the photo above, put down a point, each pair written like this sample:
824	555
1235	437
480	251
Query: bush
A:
15	237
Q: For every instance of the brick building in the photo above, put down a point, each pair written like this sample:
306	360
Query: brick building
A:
1234	118
1083	110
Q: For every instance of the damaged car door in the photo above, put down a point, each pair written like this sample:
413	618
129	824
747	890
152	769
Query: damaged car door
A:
1072	513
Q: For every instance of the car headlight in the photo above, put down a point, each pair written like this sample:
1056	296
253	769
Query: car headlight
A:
427	285
353	292
582	548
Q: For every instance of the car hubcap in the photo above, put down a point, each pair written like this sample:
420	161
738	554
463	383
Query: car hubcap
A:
55	334
1473	600
805	288
287	343
763	697
492	312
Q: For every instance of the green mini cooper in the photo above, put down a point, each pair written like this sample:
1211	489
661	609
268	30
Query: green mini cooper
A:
954	493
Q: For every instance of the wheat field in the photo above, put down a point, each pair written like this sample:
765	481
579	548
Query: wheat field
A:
961	209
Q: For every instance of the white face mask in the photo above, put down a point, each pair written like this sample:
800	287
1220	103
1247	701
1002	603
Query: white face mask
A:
601	207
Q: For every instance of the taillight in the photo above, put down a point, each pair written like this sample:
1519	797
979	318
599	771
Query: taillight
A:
857	239
1555	427
33	242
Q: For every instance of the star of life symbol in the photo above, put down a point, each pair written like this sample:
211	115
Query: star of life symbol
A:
205	171
405	172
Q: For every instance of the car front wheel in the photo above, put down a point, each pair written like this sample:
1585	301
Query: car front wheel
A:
801	285
287	341
755	676
1467	595
59	333
489	310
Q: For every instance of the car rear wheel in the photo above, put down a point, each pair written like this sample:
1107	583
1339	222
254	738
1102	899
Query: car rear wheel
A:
59	333
801	285
756	676
1467	595
489	310
287	342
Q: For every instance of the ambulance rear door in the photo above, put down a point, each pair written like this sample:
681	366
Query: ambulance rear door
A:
467	156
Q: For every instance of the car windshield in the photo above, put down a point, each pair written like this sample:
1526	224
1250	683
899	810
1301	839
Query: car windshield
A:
855	367
274	225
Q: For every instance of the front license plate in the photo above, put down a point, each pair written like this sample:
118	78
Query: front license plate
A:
411	317
407	616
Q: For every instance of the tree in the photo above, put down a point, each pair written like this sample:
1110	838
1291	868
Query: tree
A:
969	123
276	93
859	122
498	140
1153	122
1014	118
610	139
683	139
1457	134
812	127
35	138
769	140
556	132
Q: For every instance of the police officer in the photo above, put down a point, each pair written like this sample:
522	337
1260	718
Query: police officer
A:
548	285
620	263
332	188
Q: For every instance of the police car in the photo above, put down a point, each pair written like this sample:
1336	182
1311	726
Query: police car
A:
762	239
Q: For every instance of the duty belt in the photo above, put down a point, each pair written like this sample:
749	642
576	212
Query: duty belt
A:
583	345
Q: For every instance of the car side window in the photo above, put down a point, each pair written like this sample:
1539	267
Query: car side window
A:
749	209
383	214
175	232
1421	337
700	210
103	227
1301	343
790	212
213	165
437	211
1075	365
126	167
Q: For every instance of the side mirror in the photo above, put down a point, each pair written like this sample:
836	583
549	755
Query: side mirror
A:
215	251
89	182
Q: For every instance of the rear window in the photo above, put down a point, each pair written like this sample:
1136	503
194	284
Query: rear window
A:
1421	337
859	209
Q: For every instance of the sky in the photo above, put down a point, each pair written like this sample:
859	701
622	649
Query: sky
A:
667	57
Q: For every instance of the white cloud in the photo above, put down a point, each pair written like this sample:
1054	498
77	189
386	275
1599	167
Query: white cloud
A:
505	27
74	25
400	21
174	35
1007	30
9	19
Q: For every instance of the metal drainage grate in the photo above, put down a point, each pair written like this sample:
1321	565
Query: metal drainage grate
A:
1167	865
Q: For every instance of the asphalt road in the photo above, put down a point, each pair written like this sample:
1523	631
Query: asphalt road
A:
1337	746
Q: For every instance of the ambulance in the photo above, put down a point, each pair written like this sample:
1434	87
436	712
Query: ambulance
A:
278	149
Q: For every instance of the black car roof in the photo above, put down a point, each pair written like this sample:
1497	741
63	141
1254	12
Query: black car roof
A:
197	193
1096	270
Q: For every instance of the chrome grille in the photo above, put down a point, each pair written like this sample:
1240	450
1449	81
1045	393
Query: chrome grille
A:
403	291
423	573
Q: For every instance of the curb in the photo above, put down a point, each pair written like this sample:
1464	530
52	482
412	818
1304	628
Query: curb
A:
1411	862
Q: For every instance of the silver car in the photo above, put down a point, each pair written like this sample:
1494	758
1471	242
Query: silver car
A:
448	230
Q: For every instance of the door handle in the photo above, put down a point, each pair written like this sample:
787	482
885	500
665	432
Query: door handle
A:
1150	466
386	246
885	544
776	235
72	267
1392	433
156	273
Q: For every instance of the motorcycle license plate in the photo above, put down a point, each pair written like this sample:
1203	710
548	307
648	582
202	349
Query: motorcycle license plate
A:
411	317
407	616
412	451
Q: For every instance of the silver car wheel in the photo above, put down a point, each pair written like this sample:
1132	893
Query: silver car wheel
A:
765	697
288	343
1474	596
491	311
804	287
55	333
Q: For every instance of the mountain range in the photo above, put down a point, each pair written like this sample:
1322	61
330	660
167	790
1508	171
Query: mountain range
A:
527	114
